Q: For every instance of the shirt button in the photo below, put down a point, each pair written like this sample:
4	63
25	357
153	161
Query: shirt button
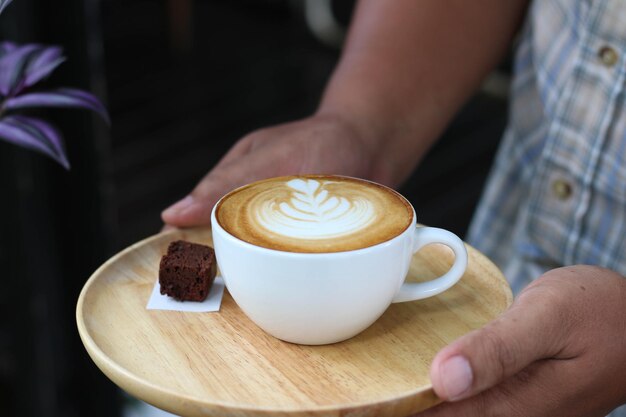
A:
608	56
561	189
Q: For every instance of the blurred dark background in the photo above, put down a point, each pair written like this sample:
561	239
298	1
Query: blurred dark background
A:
182	80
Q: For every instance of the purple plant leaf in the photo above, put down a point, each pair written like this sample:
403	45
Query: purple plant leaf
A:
41	64
62	97
3	4
12	67
35	134
6	47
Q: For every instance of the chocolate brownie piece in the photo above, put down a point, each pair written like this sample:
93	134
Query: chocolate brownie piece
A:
187	271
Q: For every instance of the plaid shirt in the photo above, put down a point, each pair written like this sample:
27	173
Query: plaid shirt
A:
557	192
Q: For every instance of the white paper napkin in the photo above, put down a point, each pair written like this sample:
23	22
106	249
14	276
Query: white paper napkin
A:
211	303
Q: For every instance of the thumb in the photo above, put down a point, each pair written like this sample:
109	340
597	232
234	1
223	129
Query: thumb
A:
527	332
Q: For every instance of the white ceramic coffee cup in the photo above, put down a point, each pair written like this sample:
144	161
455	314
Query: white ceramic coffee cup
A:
321	298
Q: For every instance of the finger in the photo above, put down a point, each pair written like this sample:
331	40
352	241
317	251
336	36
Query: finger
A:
195	209
529	331
239	149
537	391
181	213
167	228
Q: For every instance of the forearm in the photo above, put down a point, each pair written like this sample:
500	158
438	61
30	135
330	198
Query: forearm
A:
408	66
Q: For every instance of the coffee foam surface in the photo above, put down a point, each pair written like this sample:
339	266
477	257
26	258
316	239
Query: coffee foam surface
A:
314	213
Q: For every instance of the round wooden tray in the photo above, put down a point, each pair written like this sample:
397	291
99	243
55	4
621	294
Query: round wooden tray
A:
221	364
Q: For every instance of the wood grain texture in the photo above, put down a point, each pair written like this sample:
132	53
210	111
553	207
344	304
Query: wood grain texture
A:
221	364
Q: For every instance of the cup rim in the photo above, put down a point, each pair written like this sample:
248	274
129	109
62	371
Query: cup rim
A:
215	224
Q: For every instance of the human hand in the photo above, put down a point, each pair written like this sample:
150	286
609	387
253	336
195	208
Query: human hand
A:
319	144
560	350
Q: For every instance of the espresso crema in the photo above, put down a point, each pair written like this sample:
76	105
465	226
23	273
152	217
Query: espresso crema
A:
314	213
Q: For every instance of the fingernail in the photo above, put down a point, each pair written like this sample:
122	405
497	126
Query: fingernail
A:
179	206
456	377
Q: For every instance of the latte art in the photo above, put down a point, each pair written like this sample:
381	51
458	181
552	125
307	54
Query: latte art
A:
314	213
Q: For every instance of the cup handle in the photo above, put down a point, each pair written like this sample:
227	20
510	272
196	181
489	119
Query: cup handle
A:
425	236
